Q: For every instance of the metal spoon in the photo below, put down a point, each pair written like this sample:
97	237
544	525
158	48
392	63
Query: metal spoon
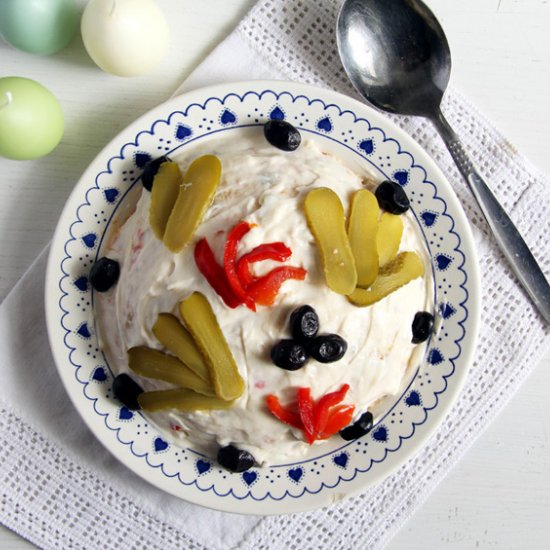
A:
397	57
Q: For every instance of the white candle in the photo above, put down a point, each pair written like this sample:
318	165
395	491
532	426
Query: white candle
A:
125	37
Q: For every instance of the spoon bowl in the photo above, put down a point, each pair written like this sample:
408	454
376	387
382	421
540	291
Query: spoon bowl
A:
397	57
403	69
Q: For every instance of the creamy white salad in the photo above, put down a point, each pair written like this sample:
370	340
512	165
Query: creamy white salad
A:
265	187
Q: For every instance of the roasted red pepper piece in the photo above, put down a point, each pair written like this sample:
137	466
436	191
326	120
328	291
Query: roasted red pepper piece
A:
230	262
322	409
268	251
316	420
339	417
264	290
306	406
289	417
237	285
214	273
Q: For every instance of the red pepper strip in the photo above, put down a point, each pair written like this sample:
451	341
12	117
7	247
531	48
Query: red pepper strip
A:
339	418
306	407
264	290
214	273
269	251
230	262
322	409
291	418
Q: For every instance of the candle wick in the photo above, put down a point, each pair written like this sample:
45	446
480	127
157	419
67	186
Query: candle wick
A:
113	8
8	99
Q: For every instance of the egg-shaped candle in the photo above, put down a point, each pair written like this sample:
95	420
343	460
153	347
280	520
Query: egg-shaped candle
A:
31	120
38	26
125	37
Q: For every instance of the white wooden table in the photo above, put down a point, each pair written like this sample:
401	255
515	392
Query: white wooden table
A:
499	494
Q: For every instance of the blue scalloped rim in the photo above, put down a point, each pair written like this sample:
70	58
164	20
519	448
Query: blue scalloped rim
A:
295	471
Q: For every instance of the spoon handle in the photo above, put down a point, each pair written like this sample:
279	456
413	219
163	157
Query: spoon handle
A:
506	234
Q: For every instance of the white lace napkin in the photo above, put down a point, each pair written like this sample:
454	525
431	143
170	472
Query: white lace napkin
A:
61	489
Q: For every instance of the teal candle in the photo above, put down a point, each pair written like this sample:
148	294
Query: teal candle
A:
38	26
31	120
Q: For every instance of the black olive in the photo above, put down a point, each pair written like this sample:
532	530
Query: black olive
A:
150	171
359	428
282	135
127	391
235	460
104	274
289	355
422	326
392	197
304	323
327	348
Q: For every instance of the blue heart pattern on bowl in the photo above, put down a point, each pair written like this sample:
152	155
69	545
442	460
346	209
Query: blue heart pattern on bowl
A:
277	114
296	474
367	146
228	117
203	466
99	375
82	284
341	460
141	159
413	399
83	331
182	132
249	477
125	413
381	434
428	217
435	357
447	310
111	194
160	445
89	240
443	261
325	125
401	177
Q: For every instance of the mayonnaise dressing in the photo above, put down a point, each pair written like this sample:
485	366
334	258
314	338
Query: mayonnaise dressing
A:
265	187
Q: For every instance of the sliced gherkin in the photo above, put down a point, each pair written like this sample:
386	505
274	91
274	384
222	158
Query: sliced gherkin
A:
388	238
180	399
362	231
326	220
176	339
166	186
195	196
403	269
201	322
160	366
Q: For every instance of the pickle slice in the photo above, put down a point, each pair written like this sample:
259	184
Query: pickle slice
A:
326	220
180	399
195	196
155	364
176	339
201	322
388	239
362	231
164	193
406	267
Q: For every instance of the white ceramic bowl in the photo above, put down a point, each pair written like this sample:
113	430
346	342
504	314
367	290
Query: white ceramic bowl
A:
348	129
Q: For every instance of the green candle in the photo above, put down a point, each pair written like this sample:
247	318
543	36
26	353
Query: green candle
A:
38	26
31	120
